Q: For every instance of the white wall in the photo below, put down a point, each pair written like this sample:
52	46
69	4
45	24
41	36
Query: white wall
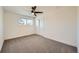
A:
58	23
78	28
13	29
1	27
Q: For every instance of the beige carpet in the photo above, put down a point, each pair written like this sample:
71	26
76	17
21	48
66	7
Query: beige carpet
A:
35	44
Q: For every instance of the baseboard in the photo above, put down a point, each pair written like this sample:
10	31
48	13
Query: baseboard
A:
21	36
56	40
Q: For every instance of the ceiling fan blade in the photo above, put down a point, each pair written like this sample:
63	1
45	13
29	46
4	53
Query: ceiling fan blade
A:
38	12
33	8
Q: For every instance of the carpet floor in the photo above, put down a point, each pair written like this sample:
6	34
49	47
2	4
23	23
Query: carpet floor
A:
35	44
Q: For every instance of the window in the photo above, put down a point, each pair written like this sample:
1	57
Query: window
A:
25	21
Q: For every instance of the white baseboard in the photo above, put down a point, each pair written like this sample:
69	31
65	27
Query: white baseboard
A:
8	38
55	39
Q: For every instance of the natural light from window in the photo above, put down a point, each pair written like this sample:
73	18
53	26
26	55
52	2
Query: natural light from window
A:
25	21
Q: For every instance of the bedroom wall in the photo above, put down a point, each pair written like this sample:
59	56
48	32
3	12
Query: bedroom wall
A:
13	29
1	28
58	23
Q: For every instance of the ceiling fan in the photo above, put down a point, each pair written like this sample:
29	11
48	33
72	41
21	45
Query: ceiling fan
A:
34	11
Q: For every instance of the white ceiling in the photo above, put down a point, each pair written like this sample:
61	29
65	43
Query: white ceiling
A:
22	10
26	10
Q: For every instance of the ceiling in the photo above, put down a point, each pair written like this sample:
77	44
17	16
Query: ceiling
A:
22	10
26	10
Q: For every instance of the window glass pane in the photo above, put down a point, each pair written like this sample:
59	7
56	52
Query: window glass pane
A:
29	22
22	21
